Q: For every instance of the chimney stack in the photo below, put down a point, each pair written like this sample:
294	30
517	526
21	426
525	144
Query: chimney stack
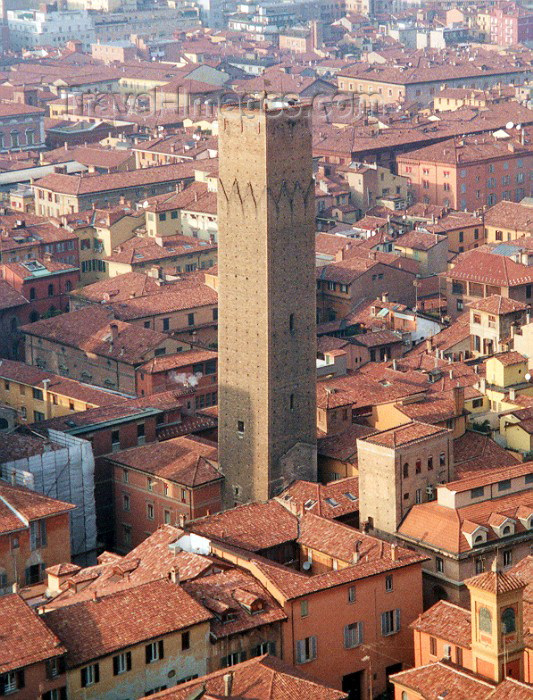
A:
394	552
114	331
356	555
174	574
228	684
459	400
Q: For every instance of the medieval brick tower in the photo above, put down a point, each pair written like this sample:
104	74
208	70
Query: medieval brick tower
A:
267	301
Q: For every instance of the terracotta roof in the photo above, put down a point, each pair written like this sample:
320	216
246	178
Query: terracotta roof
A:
64	569
498	305
496	582
332	500
164	363
18	505
250	526
94	628
119	288
25	271
25	637
405	434
418	240
447	621
474	452
185	294
490	268
89	184
262	678
89	329
186	460
511	358
376	338
224	592
34	376
491	475
140	251
19	445
441	679
9	297
435	525
511	689
344	445
510	216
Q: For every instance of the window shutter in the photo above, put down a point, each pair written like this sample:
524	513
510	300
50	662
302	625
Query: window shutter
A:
147	653
347	637
115	665
20	678
312	646
161	649
272	648
44	541
128	660
49	669
397	614
61	664
383	624
242	656
96	673
361	633
83	677
300	651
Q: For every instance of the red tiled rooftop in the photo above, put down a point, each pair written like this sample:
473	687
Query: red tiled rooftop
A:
94	628
25	638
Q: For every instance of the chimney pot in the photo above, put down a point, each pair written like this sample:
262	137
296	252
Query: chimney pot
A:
228	684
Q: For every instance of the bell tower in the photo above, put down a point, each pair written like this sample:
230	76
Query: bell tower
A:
497	624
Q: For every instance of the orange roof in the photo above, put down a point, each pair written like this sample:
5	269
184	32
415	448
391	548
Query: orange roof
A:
262	678
510	358
19	505
491	476
496	582
405	434
443	680
94	628
25	638
447	621
498	305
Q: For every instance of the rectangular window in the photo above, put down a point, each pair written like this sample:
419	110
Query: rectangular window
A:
37	534
231	659
458	656
166	517
304	608
190	319
37	394
122	663
166	324
90	675
264	648
38	416
477	492
150	511
508	557
388	583
185	641
390	622
351	594
154	652
353	635
504	485
306	650
439	564
125	502
433	646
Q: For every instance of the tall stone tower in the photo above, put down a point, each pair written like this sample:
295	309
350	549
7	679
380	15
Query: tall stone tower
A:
267	301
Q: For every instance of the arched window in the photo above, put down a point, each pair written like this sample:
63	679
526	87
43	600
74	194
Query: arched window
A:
485	621
478	539
508	621
506	530
404	695
34	316
405	470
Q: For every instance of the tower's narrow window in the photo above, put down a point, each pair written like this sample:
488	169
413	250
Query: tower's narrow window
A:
240	426
291	323
291	402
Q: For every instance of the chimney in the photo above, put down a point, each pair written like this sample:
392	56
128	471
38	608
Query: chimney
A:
385	297
174	574
394	365
181	520
429	344
459	399
114	331
394	552
14	477
512	394
228	684
451	374
356	555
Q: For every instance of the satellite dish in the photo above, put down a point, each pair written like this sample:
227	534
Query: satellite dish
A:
509	125
145	204
306	566
528	377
